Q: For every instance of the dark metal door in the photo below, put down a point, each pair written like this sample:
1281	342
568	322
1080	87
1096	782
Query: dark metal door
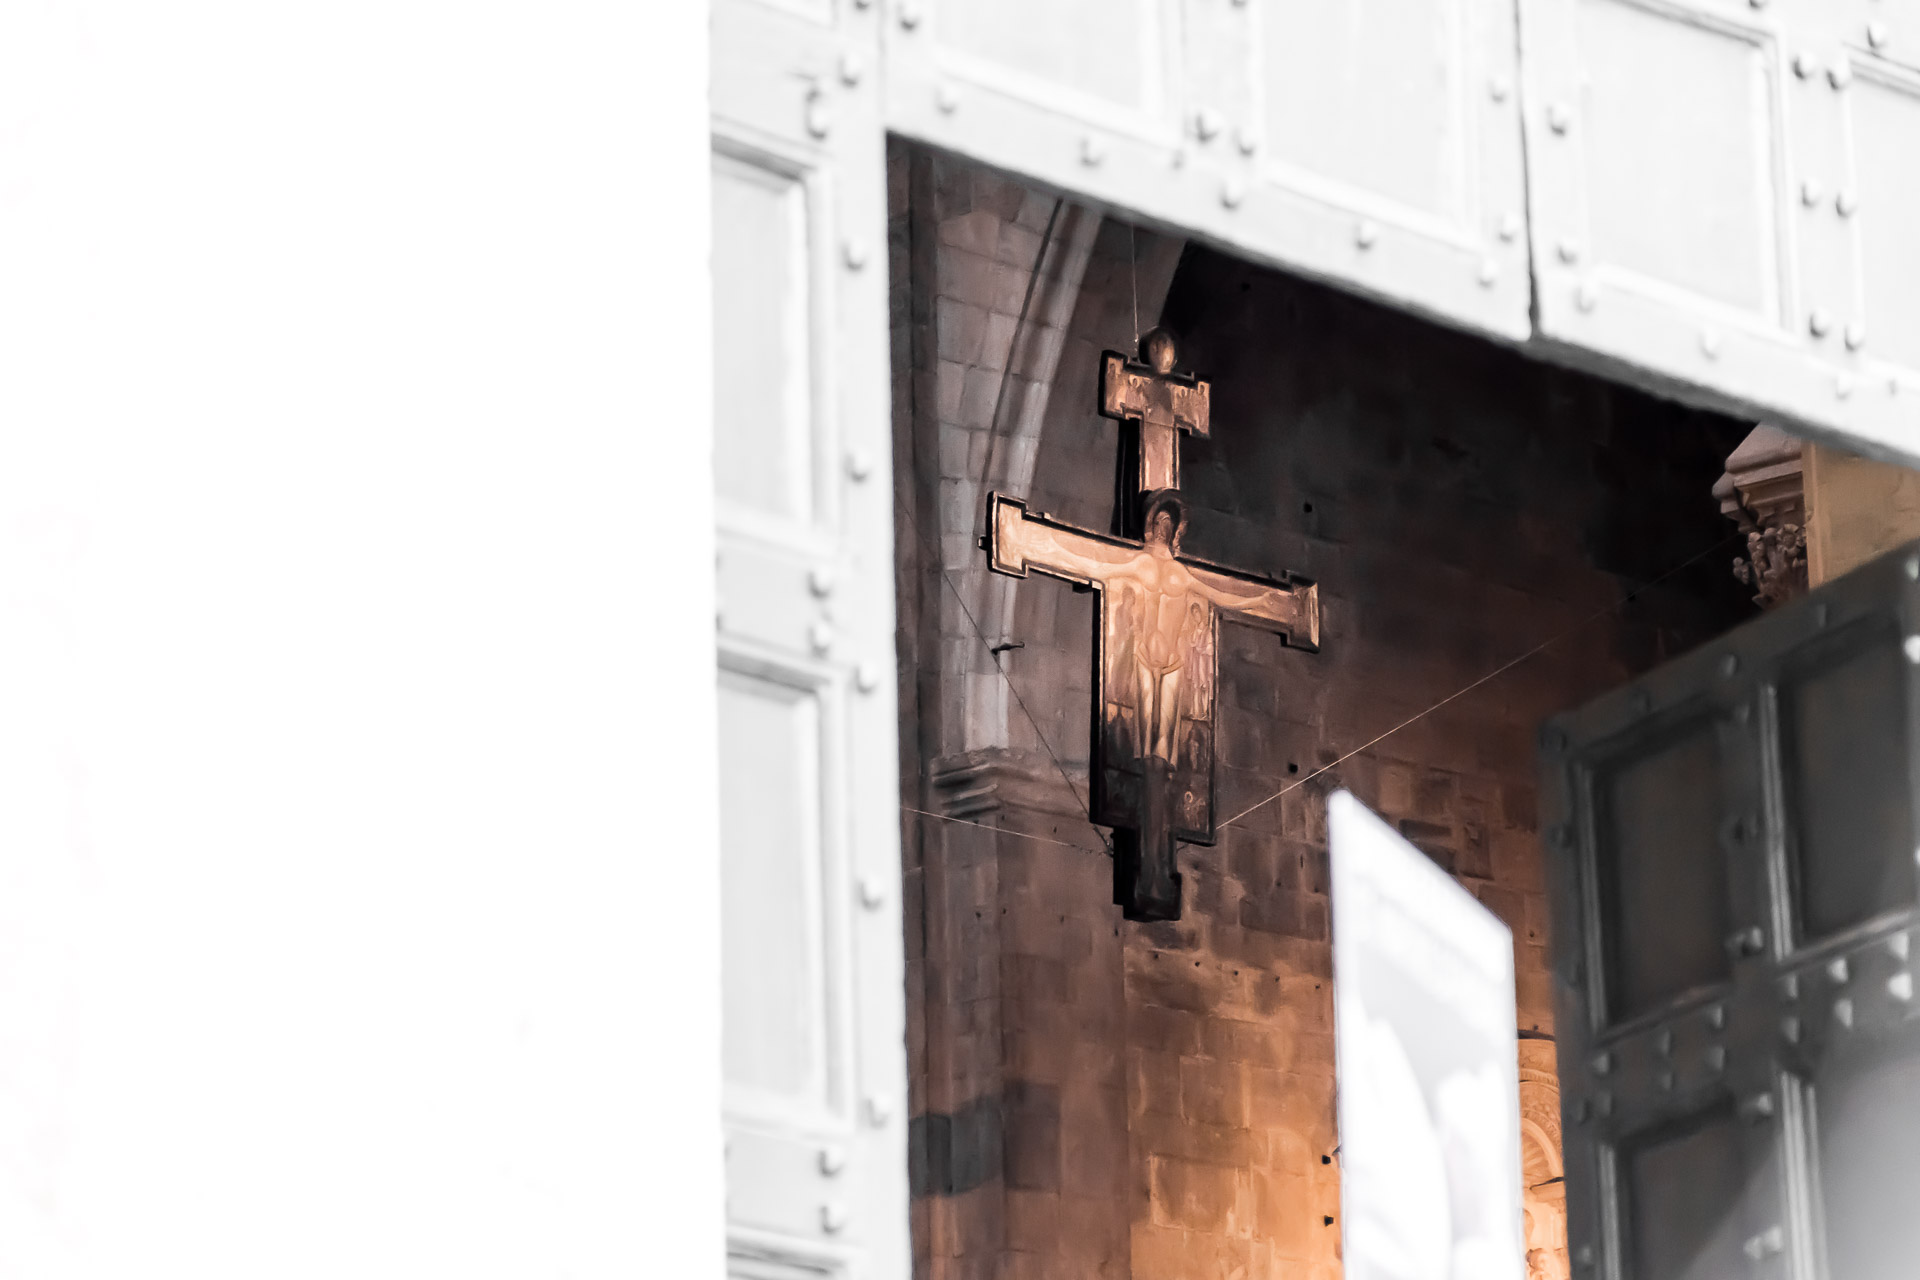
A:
1731	855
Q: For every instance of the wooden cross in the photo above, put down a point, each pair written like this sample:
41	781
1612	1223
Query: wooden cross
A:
1156	662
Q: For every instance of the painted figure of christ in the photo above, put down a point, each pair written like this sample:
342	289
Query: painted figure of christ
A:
1153	715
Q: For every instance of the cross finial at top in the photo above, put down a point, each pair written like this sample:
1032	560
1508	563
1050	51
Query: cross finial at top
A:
1146	391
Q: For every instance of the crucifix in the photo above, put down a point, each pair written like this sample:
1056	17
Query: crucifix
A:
1155	661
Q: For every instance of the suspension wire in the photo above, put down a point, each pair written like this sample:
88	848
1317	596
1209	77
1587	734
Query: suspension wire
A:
1502	669
988	826
998	666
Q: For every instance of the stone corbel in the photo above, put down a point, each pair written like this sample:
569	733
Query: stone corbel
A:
1763	491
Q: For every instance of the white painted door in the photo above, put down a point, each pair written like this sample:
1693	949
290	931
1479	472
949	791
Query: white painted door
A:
1374	143
814	1003
1724	197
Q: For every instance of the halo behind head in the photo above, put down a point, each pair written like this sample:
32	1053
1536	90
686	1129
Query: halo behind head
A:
1169	502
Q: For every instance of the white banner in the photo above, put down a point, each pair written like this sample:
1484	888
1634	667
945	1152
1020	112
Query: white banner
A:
1429	1095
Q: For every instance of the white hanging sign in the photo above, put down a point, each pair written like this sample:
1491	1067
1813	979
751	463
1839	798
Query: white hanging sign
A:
1425	1034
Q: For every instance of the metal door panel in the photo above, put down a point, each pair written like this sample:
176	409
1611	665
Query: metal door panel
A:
1758	1063
1720	192
1375	143
812	936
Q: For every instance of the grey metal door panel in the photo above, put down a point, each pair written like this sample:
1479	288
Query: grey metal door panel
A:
1731	856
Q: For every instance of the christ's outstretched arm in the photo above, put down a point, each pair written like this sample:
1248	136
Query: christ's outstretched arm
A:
1293	611
1018	541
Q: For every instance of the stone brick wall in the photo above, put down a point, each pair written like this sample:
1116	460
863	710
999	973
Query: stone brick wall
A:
1094	1098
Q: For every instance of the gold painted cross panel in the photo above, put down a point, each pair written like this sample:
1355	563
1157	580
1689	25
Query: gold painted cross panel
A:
1156	660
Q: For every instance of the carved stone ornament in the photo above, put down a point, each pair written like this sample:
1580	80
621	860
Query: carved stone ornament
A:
1542	1174
1156	656
1763	491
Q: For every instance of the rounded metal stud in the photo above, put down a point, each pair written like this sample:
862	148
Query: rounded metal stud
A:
1804	66
1663	1042
873	894
1840	74
866	677
1207	124
1665	1080
1757	1106
854	254
1246	140
1583	1256
1856	335
1603	1104
1232	192
1559	117
860	464
1717	1058
819	113
1790	1030
852	68
1489	273
909	14
1717	1017
820	636
1509	227
1092	151
1498	88
1822	614
1586	297
1810	192
1366	232
1846	202
833	1218
1842	385
1729	666
1900	986
1899	947
1819	322
820	581
1838	970
1602	1063
1710	343
1878	36
946	99
1743	713
1765	1244
879	1110
1912	648
1757	4
1913	568
1569	251
833	1160
1790	987
1843	1012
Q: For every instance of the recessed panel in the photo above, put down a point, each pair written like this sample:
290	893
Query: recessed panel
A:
1100	48
762	410
1367	93
1662	873
773	1033
1886	140
1867	1125
1683	1188
1674	126
1844	722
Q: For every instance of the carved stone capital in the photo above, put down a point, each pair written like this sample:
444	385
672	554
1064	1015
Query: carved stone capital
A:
1763	491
